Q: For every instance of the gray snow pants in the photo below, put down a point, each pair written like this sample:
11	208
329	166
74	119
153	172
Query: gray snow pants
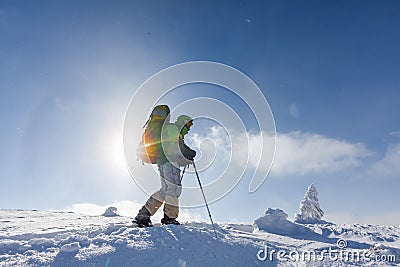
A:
171	189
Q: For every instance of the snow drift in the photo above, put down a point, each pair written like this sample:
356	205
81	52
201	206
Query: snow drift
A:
41	238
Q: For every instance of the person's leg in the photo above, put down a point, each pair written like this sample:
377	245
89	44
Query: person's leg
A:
174	188
143	217
152	204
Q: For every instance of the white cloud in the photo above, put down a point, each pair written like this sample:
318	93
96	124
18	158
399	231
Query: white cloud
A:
300	153
388	166
216	134
297	153
214	147
395	133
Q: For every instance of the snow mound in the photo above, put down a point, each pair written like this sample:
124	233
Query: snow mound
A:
71	248
110	212
273	221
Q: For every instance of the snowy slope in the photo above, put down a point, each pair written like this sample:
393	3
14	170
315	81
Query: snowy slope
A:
42	238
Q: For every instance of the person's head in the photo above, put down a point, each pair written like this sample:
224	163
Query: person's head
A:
184	122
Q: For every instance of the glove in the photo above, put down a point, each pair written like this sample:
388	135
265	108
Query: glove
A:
190	154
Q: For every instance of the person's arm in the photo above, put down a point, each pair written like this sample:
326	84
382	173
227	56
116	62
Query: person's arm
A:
186	151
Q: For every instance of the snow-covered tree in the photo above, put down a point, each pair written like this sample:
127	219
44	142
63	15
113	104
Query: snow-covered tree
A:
310	210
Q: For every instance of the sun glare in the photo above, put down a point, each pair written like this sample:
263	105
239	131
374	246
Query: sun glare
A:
112	151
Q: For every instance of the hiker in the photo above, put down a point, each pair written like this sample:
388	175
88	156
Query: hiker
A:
175	154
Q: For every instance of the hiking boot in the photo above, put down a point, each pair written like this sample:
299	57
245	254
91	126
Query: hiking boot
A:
142	221
168	220
143	218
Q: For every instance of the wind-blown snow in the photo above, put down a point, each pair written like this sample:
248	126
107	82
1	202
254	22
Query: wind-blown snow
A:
41	238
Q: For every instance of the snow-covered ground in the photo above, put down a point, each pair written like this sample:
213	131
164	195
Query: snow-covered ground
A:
42	238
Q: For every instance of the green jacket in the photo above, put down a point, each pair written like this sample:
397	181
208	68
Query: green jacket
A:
174	147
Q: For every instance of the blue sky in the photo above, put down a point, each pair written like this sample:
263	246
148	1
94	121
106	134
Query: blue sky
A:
329	70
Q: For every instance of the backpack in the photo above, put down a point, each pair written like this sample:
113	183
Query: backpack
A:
150	148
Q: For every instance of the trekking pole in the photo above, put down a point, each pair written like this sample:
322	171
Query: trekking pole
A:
183	172
209	213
